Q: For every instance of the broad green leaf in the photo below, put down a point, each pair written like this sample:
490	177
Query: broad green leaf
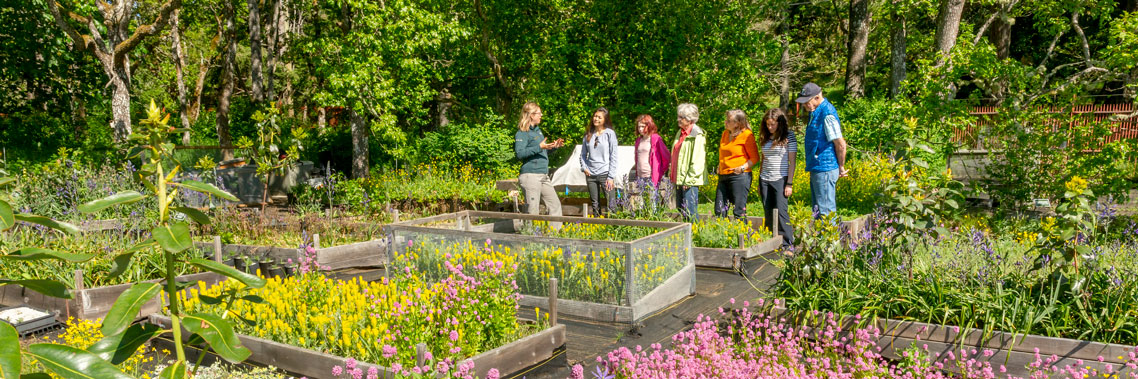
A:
41	220
71	363
249	279
39	253
5	180
206	188
9	351
219	334
125	197
178	370
121	262
174	238
7	218
921	163
253	299
47	287
120	347
194	214
127	306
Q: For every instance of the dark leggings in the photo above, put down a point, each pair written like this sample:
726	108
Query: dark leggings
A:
596	184
774	197
732	190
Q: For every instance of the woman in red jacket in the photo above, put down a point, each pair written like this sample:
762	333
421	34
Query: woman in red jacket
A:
652	158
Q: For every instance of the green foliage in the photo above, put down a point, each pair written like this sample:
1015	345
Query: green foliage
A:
487	146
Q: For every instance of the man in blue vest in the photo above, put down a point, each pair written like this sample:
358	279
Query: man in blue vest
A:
825	149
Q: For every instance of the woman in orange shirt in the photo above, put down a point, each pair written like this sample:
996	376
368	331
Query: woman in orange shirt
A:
737	154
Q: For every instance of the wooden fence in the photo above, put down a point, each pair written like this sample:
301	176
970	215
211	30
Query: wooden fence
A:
969	137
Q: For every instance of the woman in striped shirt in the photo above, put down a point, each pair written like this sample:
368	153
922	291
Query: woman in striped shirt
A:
776	178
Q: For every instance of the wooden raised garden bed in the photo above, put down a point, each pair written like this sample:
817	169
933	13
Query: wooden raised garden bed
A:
508	359
638	299
91	303
360	254
1012	350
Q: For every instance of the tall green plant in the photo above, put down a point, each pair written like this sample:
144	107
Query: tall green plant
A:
919	198
267	149
169	237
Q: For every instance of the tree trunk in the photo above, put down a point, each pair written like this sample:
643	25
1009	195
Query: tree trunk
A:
784	61
321	120
359	145
855	48
897	54
274	41
255	52
199	87
442	106
229	59
1001	35
179	77
120	104
947	28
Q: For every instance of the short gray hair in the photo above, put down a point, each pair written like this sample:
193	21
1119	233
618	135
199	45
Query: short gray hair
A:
688	111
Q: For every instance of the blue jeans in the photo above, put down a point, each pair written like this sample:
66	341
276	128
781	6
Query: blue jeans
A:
687	200
823	191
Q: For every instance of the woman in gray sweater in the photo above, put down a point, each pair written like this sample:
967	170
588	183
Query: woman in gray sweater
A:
598	159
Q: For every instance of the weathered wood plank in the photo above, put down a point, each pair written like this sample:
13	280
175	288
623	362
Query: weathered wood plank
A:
999	341
585	245
508	358
91	303
586	220
581	309
360	254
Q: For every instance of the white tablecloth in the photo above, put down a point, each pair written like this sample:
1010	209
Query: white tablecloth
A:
570	173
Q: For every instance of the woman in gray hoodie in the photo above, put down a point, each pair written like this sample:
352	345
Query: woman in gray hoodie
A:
598	159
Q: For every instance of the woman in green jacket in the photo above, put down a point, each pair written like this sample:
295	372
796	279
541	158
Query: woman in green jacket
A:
688	167
530	146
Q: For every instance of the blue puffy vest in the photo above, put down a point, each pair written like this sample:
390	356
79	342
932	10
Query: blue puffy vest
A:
820	151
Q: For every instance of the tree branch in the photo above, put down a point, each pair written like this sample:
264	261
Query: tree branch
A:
143	31
1050	51
1004	9
1082	38
1071	80
80	42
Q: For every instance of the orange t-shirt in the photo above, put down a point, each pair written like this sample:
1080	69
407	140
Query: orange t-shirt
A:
732	153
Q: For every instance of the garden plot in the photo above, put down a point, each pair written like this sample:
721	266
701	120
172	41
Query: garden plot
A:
617	270
249	240
90	283
1015	352
403	324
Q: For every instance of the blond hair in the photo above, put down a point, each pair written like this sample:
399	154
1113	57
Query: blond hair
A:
527	109
737	115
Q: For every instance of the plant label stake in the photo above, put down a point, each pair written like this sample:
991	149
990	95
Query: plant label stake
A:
552	302
217	249
420	354
79	280
316	241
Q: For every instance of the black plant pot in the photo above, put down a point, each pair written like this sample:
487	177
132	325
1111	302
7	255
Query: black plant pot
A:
228	262
251	268
238	264
277	272
265	267
289	271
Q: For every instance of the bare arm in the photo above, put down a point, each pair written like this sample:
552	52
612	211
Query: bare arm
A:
840	152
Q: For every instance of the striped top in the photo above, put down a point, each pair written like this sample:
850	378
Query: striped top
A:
775	165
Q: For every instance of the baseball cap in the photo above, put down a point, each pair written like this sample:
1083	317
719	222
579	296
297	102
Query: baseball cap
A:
808	92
